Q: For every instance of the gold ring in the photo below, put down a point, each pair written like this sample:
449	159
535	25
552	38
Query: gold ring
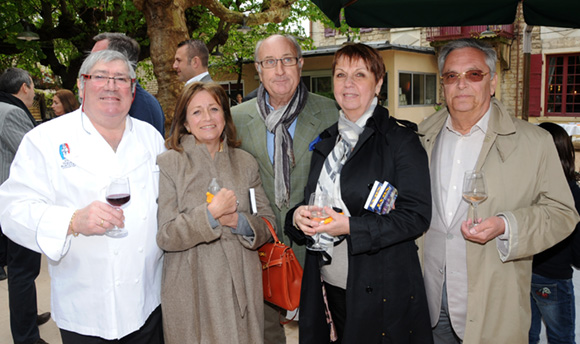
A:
102	222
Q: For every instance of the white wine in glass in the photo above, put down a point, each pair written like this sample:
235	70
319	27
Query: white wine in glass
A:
474	191
316	206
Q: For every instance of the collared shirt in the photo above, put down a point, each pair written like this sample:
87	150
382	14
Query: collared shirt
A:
196	78
100	286
270	136
458	153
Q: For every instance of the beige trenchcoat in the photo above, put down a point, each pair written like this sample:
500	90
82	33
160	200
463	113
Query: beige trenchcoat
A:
526	184
212	278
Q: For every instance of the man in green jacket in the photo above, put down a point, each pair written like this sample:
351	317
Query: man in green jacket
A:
277	128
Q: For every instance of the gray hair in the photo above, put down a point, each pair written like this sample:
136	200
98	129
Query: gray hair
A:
121	43
486	49
104	56
290	38
195	47
12	79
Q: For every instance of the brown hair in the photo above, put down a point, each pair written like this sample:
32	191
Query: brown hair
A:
68	99
370	56
564	147
178	129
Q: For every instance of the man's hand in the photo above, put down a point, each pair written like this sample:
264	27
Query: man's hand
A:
97	218
483	232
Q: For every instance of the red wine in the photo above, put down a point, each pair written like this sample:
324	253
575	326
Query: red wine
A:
118	199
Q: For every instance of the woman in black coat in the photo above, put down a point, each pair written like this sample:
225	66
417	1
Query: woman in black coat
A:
369	268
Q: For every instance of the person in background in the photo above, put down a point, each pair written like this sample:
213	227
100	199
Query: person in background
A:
145	106
191	61
277	128
369	263
64	101
239	98
103	289
212	277
552	294
477	276
16	96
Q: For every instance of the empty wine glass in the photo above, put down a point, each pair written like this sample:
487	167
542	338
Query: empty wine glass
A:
474	191
318	201
118	194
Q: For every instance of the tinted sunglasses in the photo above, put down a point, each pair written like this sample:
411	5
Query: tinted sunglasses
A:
475	75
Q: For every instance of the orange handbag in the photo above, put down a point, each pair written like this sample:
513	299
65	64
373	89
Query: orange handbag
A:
281	273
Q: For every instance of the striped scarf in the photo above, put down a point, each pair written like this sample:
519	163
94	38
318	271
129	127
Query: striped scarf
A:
329	179
277	122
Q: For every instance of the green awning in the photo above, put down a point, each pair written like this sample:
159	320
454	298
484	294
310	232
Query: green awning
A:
434	13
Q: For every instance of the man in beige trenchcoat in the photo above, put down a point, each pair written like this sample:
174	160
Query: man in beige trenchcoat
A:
478	279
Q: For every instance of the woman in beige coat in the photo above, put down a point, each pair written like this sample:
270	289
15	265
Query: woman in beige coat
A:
212	279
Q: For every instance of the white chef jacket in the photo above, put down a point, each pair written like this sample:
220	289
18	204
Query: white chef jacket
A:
100	286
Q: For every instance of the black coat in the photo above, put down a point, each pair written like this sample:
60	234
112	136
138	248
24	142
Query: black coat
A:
385	294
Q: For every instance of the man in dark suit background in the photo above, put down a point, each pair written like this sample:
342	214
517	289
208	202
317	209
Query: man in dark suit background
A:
191	61
16	96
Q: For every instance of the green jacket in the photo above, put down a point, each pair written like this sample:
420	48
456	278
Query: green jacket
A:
318	114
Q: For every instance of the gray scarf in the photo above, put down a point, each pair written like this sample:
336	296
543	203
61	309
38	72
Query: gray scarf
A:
277	122
329	179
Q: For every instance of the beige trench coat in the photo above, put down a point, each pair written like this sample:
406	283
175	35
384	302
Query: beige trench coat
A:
212	279
526	184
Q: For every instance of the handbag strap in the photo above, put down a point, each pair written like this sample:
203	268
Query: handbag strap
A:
271	228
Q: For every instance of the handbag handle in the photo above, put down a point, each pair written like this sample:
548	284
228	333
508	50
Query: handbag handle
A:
271	228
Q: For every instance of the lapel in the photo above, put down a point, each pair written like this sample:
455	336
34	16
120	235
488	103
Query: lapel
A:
432	128
307	128
500	130
257	137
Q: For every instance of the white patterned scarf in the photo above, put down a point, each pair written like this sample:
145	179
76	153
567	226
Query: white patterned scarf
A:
277	122
329	179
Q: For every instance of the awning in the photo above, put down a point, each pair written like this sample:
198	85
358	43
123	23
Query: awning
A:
433	13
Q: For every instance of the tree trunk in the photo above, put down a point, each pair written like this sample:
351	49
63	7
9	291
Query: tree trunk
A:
166	27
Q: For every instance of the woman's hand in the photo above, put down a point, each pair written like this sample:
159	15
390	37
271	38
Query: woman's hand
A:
224	203
339	225
303	221
229	220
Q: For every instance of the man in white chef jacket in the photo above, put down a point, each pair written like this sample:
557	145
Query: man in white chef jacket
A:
103	288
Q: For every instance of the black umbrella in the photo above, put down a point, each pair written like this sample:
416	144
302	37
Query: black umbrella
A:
431	13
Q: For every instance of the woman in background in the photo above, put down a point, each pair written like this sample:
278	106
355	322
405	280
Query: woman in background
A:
552	293
64	101
212	276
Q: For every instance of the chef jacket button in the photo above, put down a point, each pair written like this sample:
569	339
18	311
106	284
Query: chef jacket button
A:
369	290
441	270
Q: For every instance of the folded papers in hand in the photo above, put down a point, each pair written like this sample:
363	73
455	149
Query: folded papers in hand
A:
382	198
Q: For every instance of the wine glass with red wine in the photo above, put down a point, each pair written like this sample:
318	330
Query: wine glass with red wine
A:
118	194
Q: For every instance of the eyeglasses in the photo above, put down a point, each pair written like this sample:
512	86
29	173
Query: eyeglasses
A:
101	80
475	75
271	63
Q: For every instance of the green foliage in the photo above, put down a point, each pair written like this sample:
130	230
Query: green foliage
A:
66	28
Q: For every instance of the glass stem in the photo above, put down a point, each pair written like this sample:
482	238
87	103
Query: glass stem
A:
474	214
